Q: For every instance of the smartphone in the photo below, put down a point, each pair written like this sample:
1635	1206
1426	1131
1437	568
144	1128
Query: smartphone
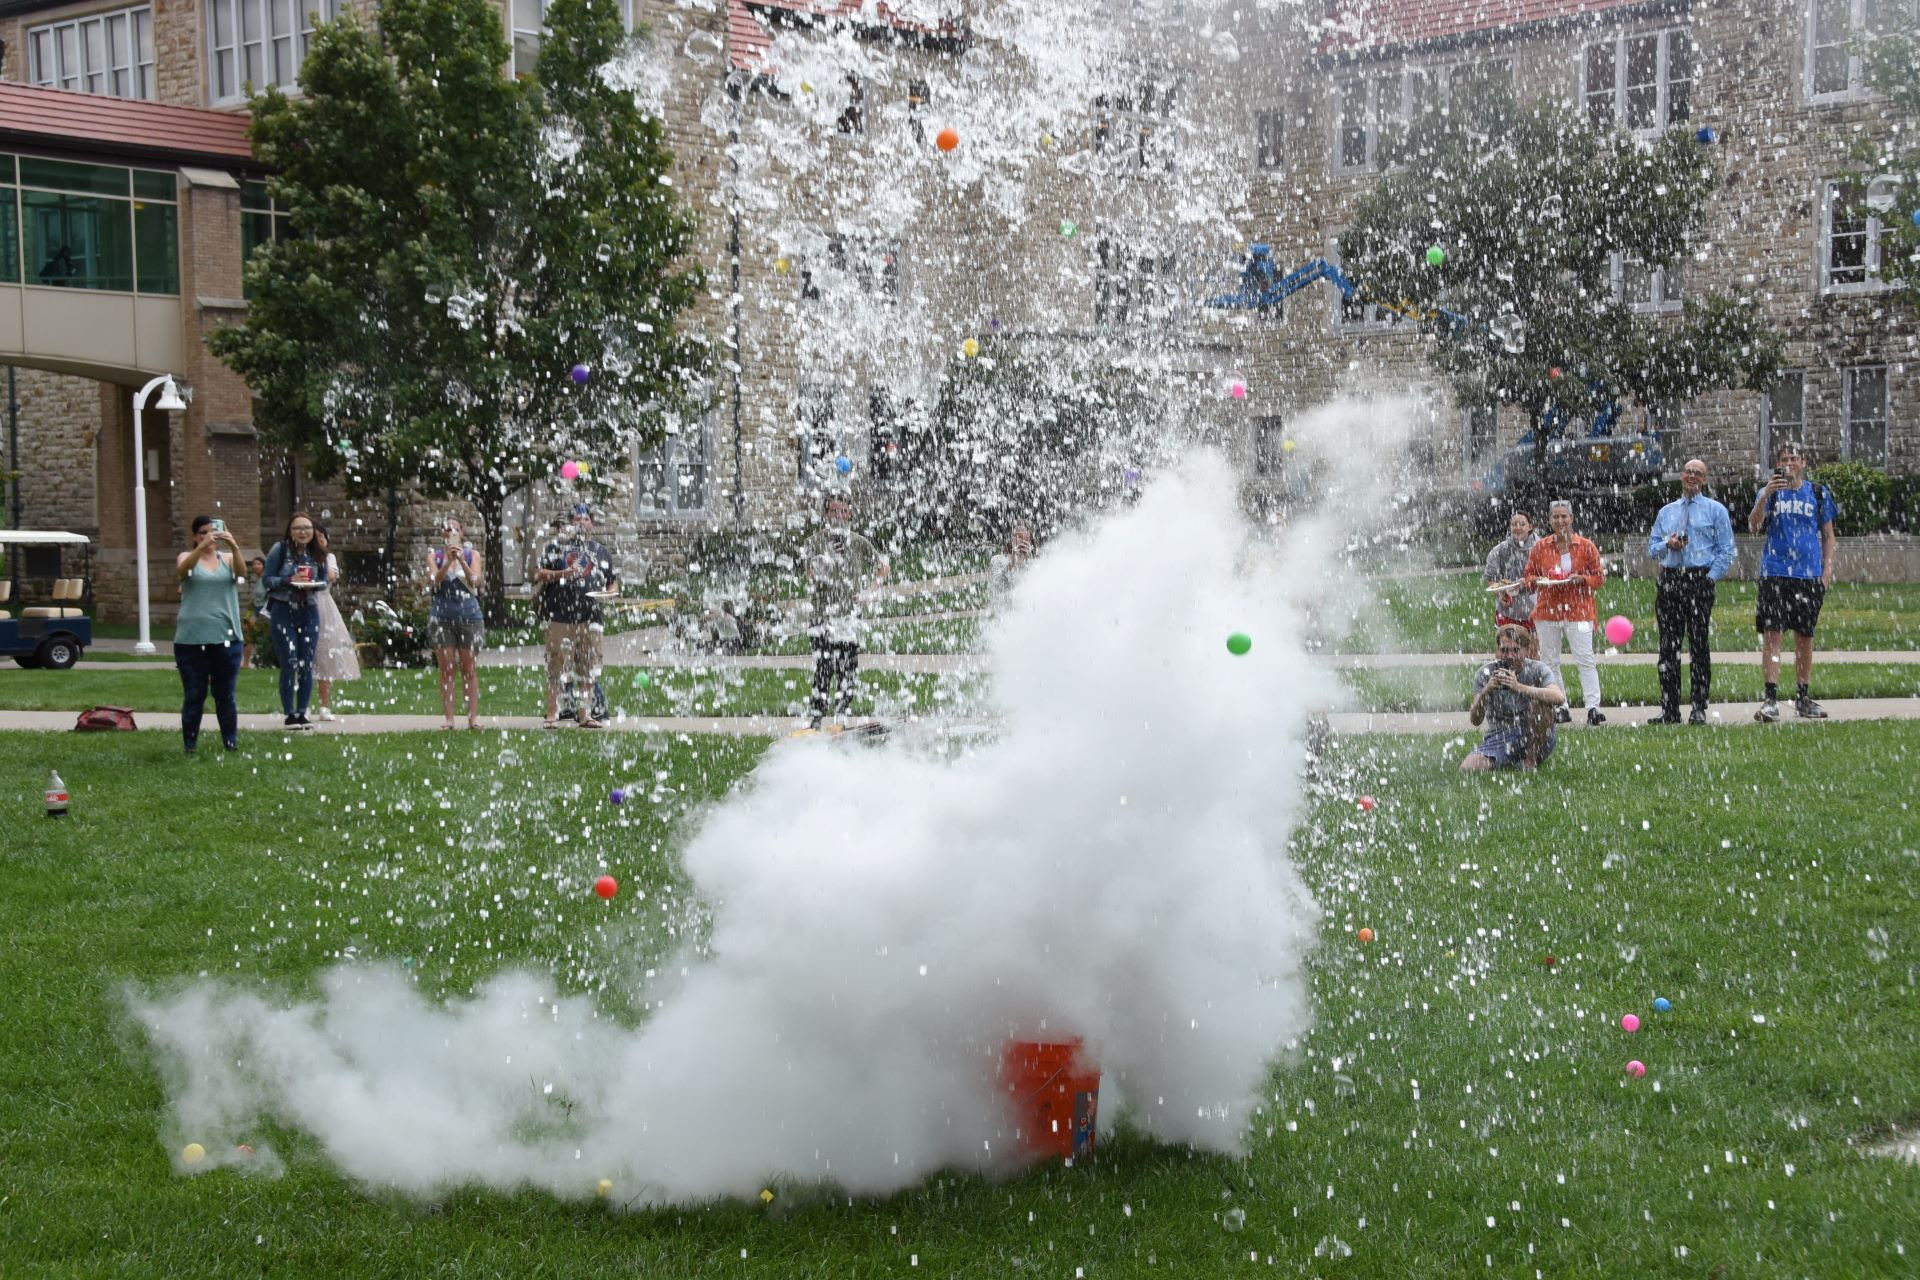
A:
1779	473
219	525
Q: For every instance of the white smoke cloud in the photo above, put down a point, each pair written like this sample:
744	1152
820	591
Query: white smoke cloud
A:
1112	865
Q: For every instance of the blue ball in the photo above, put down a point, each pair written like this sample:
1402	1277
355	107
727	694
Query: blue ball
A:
1704	136
1916	217
843	465
580	375
1661	1004
619	795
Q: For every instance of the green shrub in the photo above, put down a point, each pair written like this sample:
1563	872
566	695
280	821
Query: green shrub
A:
400	635
1862	493
1903	503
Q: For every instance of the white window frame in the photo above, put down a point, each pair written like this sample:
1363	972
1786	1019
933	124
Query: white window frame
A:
1128	297
270	37
1856	88
1769	425
686	450
516	33
1269	137
121	40
1665	286
1830	191
1136	128
1404	82
1849	447
1664	80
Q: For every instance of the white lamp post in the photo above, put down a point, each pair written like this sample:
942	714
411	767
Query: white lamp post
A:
169	401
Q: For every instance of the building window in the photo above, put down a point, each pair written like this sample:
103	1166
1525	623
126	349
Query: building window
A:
110	53
1267	127
1480	432
1836	32
853	118
853	266
529	19
9	223
671	479
1134	286
256	43
1133	128
919	97
818	433
1368	105
1866	409
1646	288
1269	446
1642	82
1783	414
1850	239
90	226
263	220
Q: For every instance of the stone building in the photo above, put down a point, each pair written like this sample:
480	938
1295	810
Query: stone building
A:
1106	180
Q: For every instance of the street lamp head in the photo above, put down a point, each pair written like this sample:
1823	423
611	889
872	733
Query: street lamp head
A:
170	401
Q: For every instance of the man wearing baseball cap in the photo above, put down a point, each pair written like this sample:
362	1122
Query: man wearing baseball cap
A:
573	570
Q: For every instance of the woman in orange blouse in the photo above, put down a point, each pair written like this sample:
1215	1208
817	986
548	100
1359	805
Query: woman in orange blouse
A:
1567	611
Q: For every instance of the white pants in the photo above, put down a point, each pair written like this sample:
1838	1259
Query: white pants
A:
1579	637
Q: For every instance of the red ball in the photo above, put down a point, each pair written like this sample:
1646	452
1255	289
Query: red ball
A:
947	139
1366	804
606	886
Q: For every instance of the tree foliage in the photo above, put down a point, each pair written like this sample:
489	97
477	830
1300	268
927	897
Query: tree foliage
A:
1532	208
461	241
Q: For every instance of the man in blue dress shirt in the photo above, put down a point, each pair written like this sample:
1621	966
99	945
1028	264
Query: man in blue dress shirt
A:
1692	542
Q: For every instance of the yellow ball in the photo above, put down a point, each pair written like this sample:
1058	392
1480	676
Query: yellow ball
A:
1287	446
805	87
192	1153
780	266
585	469
1046	139
766	1197
970	348
606	1187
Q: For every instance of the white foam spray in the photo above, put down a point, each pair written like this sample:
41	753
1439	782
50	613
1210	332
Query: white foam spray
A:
1111	866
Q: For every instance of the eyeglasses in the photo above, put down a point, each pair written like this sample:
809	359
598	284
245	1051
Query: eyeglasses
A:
303	528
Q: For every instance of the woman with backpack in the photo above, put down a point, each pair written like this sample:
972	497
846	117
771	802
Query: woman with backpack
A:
455	624
296	571
208	634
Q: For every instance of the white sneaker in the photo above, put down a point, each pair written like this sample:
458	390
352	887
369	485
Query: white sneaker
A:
1769	712
326	714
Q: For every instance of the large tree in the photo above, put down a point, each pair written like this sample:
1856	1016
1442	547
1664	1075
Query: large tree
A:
461	240
1530	207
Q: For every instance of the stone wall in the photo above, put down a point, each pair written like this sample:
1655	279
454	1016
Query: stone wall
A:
59	429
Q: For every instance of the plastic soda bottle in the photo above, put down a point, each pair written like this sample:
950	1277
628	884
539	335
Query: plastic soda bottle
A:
56	796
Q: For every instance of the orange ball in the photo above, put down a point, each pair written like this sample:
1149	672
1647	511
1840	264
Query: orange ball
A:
1366	935
947	139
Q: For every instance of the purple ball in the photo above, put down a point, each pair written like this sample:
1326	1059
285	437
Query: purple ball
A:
619	795
580	375
1704	136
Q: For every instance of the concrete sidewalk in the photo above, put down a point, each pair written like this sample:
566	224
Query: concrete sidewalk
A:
1725	715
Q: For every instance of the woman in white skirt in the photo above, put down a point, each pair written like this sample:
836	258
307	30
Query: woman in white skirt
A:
334	657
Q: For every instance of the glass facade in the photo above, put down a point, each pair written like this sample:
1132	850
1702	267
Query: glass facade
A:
88	226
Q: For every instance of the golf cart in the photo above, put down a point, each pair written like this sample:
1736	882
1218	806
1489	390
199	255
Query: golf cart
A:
43	635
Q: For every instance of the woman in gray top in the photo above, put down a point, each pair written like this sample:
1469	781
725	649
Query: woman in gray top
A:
207	636
1507	564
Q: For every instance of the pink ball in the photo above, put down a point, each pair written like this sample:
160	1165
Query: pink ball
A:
569	470
1636	1068
1619	630
1631	1022
1239	391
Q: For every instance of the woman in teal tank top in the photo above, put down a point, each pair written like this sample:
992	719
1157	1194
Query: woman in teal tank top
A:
208	637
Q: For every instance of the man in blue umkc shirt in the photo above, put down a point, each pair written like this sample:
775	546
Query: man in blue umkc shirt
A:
1692	542
1797	517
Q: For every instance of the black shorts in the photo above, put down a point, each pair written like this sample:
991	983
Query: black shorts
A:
1789	604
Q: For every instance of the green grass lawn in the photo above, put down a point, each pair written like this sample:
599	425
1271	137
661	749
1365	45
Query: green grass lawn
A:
1459	1109
512	691
1448	688
1452	613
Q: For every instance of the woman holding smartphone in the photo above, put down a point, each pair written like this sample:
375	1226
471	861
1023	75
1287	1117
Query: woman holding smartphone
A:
296	569
455	624
208	634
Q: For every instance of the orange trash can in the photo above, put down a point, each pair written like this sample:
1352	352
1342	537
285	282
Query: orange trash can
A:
1056	1097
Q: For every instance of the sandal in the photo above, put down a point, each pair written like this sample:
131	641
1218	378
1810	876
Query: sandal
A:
550	724
592	724
447	727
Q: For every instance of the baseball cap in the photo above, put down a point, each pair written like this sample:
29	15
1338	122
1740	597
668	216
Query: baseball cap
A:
582	509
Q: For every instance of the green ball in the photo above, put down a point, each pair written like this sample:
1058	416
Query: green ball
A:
1239	642
1067	228
641	680
1436	256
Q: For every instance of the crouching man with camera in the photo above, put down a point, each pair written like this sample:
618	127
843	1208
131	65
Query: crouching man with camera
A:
1515	697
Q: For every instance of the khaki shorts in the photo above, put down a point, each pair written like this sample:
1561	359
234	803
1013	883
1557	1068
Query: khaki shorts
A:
575	645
